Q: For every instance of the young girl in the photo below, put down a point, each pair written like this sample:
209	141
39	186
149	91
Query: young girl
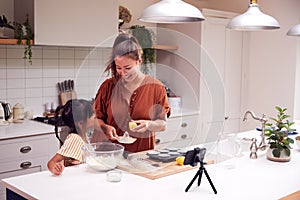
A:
78	116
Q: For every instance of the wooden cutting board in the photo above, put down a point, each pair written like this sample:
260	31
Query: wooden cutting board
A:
293	196
163	169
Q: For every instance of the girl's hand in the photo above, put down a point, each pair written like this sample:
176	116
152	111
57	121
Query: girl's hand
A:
57	168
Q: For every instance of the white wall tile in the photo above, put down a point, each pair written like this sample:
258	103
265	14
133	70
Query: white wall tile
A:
34	92
66	53
50	72
37	52
81	53
16	83
15	63
2	94
50	53
2	83
2	63
50	82
50	92
15	73
15	51
16	93
36	63
2	73
50	63
2	51
33	82
33	73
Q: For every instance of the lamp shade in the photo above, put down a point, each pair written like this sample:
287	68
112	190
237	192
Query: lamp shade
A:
171	11
252	20
294	31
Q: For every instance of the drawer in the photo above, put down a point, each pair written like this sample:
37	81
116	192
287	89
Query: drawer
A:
179	129
26	148
23	164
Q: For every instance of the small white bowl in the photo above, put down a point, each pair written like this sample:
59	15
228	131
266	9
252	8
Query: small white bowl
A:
298	143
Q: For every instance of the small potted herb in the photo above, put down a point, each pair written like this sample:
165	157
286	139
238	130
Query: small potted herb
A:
277	135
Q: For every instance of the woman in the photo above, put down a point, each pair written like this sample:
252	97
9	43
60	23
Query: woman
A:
78	116
130	95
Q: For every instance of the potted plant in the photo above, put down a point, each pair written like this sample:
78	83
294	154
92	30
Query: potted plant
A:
4	24
277	135
146	39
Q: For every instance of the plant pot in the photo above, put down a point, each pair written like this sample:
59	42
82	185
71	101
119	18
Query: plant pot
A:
283	157
1	31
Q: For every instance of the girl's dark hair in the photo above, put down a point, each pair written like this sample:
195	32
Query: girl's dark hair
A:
124	45
74	111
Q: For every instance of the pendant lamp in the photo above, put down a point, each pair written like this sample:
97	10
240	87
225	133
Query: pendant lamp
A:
253	19
294	31
171	11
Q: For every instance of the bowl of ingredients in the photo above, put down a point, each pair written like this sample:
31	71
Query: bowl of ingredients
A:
103	156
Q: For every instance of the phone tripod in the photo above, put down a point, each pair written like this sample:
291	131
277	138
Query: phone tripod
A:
199	175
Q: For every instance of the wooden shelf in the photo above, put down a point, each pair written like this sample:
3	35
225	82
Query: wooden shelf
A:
165	47
12	41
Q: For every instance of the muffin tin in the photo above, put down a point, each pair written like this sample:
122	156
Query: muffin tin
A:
165	155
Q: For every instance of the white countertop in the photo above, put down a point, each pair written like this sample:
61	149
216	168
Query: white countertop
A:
27	128
250	179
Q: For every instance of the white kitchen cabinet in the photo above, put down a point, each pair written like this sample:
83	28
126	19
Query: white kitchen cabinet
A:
225	49
75	22
180	133
25	155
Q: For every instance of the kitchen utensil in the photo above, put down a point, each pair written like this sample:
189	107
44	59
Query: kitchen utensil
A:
18	112
72	84
103	156
126	139
67	92
7	110
66	85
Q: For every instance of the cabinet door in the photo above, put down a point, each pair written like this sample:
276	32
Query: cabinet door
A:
224	48
181	131
75	22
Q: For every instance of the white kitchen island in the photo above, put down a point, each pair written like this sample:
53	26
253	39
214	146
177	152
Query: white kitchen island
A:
250	179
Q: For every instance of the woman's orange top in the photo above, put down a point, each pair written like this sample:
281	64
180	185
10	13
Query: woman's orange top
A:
148	102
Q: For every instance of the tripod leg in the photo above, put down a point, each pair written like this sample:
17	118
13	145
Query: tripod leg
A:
209	180
191	183
200	177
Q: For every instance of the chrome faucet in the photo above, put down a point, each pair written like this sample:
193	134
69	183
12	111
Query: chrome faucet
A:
262	146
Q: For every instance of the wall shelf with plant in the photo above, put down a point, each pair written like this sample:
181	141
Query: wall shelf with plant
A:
23	35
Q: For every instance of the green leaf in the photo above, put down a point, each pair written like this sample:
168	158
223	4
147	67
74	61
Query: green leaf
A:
288	152
276	153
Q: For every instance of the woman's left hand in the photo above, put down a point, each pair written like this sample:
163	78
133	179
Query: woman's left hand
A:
142	126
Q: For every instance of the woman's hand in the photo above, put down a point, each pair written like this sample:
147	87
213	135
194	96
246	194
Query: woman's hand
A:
110	132
149	125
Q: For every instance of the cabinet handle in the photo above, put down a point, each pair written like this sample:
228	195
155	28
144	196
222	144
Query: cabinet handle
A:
25	165
157	141
183	125
183	136
25	149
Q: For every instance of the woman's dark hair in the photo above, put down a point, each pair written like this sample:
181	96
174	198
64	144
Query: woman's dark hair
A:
74	111
124	45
